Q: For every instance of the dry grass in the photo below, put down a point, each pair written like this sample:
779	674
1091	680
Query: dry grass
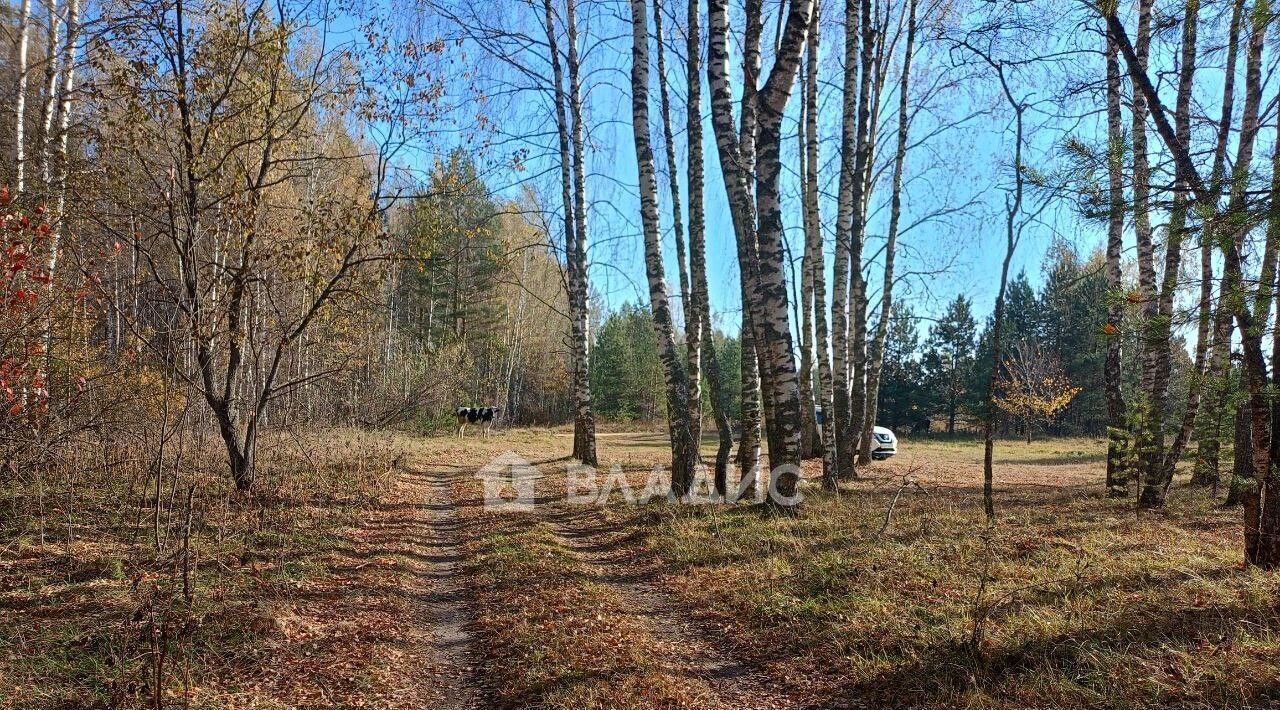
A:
553	633
1071	599
97	613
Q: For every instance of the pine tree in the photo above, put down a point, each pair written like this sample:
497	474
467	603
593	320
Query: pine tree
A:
948	361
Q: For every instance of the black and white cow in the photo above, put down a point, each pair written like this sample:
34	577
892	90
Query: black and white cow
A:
484	416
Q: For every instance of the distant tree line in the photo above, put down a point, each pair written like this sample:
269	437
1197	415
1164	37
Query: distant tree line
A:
477	304
626	373
938	378
935	371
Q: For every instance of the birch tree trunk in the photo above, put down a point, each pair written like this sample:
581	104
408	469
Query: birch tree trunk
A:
755	386
1205	471
876	350
1150	436
759	230
692	322
813	243
857	344
810	440
1250	487
63	168
1261	492
1177	232
698	295
584	426
741	213
683	447
20	97
669	143
51	75
1238	210
567	199
1117	416
844	227
784	458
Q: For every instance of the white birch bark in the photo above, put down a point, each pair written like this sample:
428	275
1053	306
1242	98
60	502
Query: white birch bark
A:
683	448
813	241
63	168
20	98
841	270
51	76
698	295
741	212
810	439
1150	437
755	372
1117	423
772	289
584	418
876	348
692	321
857	231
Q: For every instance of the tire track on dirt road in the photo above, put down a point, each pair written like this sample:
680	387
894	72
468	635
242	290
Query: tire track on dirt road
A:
437	585
703	651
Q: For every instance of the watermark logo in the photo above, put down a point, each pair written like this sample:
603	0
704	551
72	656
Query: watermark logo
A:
508	483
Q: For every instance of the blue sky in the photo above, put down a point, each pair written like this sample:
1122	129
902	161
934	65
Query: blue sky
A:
956	175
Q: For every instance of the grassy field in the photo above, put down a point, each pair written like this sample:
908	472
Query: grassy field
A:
895	592
122	608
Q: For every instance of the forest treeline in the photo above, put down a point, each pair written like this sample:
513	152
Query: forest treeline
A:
935	370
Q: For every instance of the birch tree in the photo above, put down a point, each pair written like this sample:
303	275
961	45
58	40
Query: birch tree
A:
564	89
1261	494
1149	420
684	455
1117	422
810	439
1208	445
734	147
699	299
1176	232
51	77
584	425
870	84
62	163
876	347
849	136
742	156
692	319
20	97
823	386
758	226
581	379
